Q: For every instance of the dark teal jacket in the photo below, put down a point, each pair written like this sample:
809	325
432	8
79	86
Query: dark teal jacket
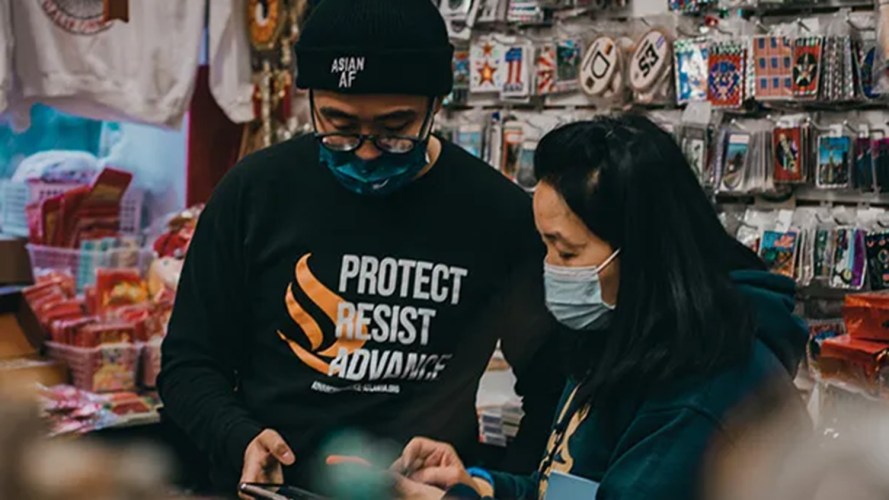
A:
654	449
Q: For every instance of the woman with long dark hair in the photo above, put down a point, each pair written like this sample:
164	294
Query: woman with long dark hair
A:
670	324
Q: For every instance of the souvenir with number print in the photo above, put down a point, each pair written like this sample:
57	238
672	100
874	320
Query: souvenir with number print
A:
878	259
650	62
513	137
806	66
546	69
737	154
599	67
778	251
486	60
525	174
849	263
772	67
525	12
691	69
726	74
864	164
567	65
491	11
517	65
788	151
834	162
265	23
462	69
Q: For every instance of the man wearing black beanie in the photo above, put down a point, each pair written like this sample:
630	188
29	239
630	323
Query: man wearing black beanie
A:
361	276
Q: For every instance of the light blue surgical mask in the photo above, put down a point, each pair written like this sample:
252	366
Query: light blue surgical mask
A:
574	295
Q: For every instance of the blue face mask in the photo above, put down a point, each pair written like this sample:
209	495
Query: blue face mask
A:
381	176
574	295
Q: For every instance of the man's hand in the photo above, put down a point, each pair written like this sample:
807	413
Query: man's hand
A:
263	459
434	463
412	490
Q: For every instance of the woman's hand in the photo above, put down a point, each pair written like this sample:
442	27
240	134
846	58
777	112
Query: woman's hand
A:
433	463
413	490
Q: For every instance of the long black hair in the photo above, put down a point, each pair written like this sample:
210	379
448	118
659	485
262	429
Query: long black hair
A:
677	312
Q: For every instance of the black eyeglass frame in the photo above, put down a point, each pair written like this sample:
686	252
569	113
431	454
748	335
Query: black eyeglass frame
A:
425	132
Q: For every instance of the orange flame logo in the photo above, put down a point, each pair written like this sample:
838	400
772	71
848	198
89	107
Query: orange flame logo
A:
320	356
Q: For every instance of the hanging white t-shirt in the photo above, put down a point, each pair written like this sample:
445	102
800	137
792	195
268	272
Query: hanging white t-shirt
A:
231	76
6	42
142	71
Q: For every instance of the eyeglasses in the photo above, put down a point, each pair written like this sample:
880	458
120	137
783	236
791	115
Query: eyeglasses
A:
346	143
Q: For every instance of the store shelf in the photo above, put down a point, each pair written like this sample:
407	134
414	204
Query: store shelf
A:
791	9
811	194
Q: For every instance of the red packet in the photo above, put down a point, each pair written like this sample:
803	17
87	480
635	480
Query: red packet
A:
119	287
866	315
50	216
856	361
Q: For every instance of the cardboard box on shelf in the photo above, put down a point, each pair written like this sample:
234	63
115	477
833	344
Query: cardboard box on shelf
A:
15	265
20	341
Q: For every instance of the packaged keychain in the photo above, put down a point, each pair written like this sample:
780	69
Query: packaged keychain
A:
864	162
849	263
736	162
772	70
513	138
462	69
650	67
470	137
806	66
877	243
787	148
690	60
726	74
779	251
834	160
525	175
694	143
823	254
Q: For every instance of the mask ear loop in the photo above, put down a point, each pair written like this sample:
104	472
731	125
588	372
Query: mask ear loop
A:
608	261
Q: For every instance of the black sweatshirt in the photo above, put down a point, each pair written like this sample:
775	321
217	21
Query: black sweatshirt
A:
308	309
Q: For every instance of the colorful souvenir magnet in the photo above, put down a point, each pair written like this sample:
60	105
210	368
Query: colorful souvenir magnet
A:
462	68
726	75
735	163
778	251
600	64
691	69
567	65
806	66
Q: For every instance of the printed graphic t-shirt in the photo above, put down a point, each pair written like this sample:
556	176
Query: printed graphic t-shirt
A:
344	311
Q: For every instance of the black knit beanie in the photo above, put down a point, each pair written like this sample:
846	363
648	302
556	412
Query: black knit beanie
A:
375	47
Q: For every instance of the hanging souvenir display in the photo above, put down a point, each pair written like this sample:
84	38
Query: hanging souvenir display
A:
525	12
693	141
469	137
486	60
517	65
789	155
880	152
492	11
866	58
736	161
878	259
525	173
772	69
650	67
834	161
838	81
513	137
806	66
462	69
600	72
691	55
726	74
546	69
864	164
778	251
265	22
823	255
849	263
567	65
